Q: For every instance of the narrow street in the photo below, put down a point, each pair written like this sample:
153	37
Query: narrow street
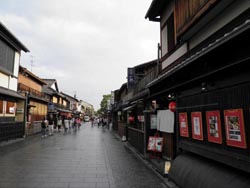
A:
91	157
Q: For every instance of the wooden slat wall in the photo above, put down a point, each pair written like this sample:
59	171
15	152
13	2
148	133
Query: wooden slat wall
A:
188	11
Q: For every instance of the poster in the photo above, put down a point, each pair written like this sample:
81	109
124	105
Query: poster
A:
155	143
235	130
153	121
214	126
197	130
151	143
183	124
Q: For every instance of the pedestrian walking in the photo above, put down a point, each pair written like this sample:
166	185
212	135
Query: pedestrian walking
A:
92	121
98	122
78	123
59	123
43	128
66	124
72	124
51	125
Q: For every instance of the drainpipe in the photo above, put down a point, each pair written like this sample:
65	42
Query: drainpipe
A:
158	59
25	112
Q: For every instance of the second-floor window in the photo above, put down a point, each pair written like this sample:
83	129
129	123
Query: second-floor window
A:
7	56
54	100
168	35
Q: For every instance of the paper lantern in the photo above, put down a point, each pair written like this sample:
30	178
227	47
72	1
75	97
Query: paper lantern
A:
172	106
131	119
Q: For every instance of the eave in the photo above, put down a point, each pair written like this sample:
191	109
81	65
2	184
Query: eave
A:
155	9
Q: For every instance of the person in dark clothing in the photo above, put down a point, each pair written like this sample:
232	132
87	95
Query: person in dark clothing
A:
43	127
51	125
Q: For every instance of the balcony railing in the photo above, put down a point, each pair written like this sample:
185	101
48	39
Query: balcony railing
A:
33	92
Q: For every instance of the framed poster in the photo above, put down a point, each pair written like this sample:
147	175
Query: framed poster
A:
235	128
183	124
197	130
151	143
214	126
155	143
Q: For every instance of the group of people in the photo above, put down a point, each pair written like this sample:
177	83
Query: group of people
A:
99	121
51	123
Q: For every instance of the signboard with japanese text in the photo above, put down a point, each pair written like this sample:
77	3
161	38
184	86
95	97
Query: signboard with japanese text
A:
197	130
183	124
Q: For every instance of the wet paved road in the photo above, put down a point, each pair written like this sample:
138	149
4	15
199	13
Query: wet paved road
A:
91	157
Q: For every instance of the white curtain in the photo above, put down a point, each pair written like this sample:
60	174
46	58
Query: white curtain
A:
165	121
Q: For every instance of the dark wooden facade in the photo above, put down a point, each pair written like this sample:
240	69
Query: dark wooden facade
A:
187	12
210	75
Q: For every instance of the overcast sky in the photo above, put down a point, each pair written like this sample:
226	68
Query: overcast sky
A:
86	46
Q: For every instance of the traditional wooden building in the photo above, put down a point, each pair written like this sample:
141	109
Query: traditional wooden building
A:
31	86
12	104
131	103
58	105
204	57
73	104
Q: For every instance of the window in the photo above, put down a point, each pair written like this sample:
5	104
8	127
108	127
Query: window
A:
55	100
7	108
171	35
10	107
7	56
168	35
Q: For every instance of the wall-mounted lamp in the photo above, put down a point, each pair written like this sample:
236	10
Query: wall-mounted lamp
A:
171	96
203	86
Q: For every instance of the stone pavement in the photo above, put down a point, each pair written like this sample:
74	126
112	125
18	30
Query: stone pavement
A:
91	157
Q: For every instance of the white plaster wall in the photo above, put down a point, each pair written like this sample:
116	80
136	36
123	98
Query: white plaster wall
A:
13	84
53	86
4	80
173	57
16	64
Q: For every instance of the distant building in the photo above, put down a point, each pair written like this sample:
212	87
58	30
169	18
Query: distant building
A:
86	108
73	104
59	104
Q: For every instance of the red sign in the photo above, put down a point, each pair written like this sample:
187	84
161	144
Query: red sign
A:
183	124
197	130
235	130
214	126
